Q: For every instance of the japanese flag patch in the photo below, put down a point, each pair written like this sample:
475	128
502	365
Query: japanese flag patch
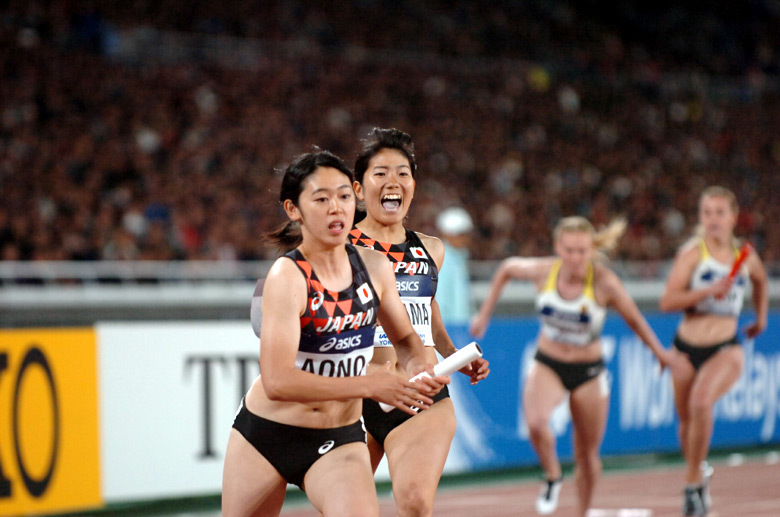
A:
418	252
364	293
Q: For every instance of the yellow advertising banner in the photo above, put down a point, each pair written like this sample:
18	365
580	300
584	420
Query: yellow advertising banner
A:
49	447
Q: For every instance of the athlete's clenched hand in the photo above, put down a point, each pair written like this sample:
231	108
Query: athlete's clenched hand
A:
391	389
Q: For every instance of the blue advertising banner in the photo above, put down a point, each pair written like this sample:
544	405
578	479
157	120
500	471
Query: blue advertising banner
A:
642	419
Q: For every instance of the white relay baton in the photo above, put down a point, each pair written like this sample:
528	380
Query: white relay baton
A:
447	366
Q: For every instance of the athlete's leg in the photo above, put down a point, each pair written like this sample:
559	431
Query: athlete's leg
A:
340	484
375	451
715	377
416	451
589	405
542	393
251	486
683	376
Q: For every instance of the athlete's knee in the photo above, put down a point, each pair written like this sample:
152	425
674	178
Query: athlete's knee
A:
700	404
538	425
589	462
414	501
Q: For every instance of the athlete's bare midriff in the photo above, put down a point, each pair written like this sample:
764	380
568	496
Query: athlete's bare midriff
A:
317	415
570	353
707	329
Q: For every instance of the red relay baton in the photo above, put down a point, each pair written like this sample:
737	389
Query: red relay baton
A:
744	251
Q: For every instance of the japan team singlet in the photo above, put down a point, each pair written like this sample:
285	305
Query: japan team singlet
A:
416	277
337	328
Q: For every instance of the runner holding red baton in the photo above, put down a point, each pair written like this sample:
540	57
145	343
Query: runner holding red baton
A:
743	254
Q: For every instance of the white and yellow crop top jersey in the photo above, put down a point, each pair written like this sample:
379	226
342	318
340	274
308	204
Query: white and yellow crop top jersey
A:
709	271
576	322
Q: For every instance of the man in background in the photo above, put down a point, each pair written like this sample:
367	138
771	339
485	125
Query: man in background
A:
453	292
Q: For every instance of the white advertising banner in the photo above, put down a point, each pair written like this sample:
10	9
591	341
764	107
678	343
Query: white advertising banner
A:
168	393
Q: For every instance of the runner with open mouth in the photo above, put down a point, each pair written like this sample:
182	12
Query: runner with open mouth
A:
391	202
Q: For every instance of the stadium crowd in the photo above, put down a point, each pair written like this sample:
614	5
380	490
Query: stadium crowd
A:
115	146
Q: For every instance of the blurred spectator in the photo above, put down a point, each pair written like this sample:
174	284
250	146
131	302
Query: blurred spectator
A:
126	133
453	292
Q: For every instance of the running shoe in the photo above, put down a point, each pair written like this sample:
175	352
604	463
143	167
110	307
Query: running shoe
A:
692	504
547	501
704	489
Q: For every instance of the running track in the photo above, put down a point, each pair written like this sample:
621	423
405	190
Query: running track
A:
744	489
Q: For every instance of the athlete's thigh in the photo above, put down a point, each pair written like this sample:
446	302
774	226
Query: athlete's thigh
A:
589	404
341	482
251	486
417	449
719	373
682	382
375	451
543	391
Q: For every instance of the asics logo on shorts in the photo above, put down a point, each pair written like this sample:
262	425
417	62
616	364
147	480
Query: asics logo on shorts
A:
325	447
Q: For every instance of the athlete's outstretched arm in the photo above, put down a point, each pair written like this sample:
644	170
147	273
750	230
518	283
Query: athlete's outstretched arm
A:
758	278
621	301
520	268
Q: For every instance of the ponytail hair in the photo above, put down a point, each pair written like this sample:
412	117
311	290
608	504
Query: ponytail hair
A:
288	235
605	240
